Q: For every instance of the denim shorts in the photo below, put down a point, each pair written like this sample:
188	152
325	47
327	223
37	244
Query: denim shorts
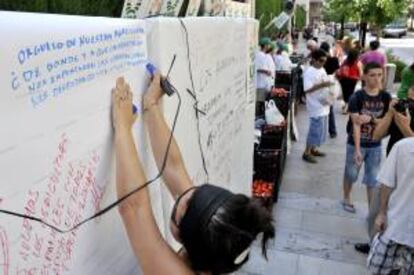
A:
372	161
318	129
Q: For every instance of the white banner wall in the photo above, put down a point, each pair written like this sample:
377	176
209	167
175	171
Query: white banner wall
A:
56	151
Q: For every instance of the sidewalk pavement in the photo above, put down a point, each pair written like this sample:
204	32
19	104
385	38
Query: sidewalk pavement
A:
314	235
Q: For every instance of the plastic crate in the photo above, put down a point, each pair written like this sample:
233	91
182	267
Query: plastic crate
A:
283	79
263	191
273	137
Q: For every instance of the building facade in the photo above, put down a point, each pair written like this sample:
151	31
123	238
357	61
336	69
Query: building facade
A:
315	11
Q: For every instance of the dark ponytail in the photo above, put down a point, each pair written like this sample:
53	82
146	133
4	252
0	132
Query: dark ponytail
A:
232	230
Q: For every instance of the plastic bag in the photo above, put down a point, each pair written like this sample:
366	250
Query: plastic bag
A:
335	89
272	114
326	97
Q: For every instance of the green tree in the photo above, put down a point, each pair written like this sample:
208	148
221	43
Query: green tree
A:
339	11
410	13
374	12
300	17
22	5
266	10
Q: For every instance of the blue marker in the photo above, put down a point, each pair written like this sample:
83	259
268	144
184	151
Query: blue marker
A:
167	87
151	68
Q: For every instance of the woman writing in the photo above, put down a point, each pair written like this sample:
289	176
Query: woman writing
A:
215	226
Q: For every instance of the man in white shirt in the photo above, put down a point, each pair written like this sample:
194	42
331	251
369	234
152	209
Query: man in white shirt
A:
281	59
265	68
392	250
316	86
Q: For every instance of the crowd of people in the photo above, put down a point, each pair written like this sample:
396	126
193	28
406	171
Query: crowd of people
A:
373	114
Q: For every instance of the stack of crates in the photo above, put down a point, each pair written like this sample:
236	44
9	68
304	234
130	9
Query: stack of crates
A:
270	154
269	159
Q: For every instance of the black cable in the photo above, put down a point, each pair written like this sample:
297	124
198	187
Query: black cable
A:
193	94
171	66
112	205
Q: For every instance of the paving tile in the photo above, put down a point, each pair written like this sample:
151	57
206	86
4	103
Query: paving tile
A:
279	263
316	266
323	205
331	224
290	218
320	245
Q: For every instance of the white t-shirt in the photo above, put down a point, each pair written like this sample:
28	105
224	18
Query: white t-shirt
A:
398	173
282	62
264	62
272	66
311	77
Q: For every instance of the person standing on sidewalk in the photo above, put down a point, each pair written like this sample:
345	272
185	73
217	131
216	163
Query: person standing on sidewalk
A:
338	51
373	55
281	58
311	46
398	123
398	126
348	75
331	65
265	67
392	249
366	108
346	44
316	83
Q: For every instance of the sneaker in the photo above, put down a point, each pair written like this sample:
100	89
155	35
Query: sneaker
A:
317	153
362	247
309	158
333	135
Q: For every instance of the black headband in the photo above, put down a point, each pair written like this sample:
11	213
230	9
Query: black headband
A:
206	200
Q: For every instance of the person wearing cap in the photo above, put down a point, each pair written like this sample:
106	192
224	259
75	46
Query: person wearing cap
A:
215	226
265	68
281	58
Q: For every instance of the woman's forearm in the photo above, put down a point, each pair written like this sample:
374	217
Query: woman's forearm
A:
174	174
129	171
